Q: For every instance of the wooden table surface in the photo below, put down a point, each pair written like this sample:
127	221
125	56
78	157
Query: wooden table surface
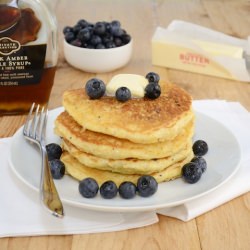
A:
226	227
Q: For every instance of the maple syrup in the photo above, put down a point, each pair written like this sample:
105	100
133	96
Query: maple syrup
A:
28	56
9	16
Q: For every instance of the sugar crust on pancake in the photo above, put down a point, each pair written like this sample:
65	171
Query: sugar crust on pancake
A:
139	120
79	171
126	166
109	147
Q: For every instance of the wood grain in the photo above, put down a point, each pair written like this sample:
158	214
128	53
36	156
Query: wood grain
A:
226	227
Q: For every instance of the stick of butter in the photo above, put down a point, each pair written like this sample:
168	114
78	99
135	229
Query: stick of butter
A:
193	48
218	49
135	83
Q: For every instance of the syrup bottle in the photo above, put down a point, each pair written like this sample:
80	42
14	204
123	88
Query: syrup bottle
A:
28	54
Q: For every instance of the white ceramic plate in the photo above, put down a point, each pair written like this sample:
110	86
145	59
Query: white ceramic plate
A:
223	161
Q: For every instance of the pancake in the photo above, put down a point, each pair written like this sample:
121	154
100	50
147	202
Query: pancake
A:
128	166
139	120
79	171
109	147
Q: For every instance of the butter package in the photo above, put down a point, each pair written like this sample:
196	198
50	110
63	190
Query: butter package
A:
190	47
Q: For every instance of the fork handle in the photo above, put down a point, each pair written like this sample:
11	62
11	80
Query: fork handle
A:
48	192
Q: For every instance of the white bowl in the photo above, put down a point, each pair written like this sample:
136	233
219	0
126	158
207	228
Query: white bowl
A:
98	60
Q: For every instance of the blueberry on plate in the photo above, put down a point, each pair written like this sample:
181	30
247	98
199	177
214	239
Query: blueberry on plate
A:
54	151
201	162
108	190
95	88
57	169
146	186
127	190
200	148
88	187
152	90
123	94
191	172
153	77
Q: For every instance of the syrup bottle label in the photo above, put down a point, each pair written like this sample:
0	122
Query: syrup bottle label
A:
20	65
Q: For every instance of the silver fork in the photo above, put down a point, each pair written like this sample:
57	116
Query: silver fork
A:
34	130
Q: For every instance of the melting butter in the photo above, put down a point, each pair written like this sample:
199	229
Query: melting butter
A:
135	83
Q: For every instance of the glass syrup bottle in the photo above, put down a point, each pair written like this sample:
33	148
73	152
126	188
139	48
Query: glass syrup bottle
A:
28	54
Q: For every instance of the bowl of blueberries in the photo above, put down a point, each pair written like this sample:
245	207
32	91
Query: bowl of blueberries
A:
97	47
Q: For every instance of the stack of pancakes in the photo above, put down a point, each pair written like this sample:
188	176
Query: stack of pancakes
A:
120	141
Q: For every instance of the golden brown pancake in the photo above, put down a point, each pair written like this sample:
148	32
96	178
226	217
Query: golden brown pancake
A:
110	147
126	166
139	120
79	171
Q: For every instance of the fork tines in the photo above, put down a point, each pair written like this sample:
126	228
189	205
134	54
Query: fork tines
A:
35	124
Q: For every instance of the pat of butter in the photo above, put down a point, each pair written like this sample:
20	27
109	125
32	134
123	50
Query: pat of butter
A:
135	83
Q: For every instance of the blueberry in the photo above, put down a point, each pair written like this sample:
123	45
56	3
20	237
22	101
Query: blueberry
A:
153	77
91	29
146	185
77	28
54	151
127	190
118	42
123	94
57	168
83	23
69	36
100	46
152	90
76	43
95	88
117	31
94	40
90	46
108	26
200	148
201	162
84	34
100	28
114	30
67	29
191	172
88	187
115	23
108	190
126	38
107	38
110	45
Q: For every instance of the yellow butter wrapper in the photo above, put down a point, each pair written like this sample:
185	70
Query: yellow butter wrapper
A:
177	51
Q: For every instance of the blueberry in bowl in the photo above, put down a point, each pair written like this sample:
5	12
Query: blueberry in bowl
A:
97	47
